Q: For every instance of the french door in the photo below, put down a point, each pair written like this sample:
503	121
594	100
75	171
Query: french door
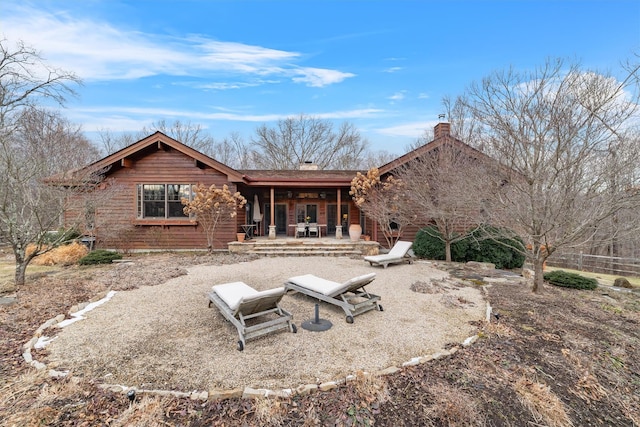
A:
280	217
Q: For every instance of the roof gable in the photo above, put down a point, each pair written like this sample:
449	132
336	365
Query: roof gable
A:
427	148
161	141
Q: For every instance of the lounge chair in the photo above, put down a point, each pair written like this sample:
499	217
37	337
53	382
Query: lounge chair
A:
401	252
239	302
351	295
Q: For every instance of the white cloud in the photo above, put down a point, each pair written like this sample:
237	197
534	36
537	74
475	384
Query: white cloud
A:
393	69
398	96
97	50
319	77
412	130
126	118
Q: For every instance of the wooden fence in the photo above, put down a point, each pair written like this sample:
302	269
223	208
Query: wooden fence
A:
596	263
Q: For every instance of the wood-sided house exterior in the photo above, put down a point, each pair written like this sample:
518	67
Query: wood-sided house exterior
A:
154	174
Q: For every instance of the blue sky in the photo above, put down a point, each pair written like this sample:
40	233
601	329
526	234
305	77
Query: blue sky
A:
234	65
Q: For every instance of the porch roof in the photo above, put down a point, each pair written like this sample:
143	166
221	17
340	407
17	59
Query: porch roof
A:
298	178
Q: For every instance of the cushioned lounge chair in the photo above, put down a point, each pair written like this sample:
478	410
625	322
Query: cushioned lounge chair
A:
351	295
239	302
401	252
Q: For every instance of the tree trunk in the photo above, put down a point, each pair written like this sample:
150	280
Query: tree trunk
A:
447	251
21	270
538	277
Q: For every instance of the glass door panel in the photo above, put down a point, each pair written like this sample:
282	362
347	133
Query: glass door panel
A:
280	217
306	212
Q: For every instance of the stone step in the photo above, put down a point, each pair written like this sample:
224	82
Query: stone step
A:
304	248
281	253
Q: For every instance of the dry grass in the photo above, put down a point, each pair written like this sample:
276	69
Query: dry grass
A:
453	407
63	255
146	412
269	411
371	388
544	405
42	394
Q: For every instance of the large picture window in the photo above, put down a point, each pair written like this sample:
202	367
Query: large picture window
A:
162	200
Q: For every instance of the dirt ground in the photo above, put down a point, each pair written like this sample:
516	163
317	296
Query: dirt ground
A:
560	358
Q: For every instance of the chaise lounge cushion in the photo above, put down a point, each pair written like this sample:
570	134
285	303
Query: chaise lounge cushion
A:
328	287
397	253
233	293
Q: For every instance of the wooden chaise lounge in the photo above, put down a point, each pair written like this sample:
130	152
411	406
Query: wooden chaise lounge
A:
239	302
400	253
351	295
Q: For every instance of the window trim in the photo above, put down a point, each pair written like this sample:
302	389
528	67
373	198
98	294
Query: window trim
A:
157	220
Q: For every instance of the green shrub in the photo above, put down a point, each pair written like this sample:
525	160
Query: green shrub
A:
429	244
570	280
99	256
504	252
60	235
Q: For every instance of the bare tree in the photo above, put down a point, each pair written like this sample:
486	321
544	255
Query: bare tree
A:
38	126
372	159
297	140
29	208
464	125
447	187
26	80
190	134
233	151
40	145
554	128
384	201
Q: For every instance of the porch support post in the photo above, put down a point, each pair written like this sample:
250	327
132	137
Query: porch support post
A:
272	225
339	219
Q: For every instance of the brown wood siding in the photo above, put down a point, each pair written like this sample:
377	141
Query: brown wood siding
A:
118	225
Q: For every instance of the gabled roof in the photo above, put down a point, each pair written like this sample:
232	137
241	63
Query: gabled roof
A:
122	157
160	139
426	148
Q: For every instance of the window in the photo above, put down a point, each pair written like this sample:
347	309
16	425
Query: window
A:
309	211
162	200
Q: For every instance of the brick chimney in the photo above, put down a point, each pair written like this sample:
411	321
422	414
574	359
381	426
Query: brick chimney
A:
441	129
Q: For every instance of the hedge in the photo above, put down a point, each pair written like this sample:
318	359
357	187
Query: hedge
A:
504	252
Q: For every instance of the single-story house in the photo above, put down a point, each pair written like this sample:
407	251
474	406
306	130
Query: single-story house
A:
155	173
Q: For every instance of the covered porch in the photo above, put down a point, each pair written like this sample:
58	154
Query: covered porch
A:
279	201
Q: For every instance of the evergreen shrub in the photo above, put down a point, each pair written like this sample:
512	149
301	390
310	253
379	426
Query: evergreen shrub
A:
61	235
504	252
570	280
99	256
